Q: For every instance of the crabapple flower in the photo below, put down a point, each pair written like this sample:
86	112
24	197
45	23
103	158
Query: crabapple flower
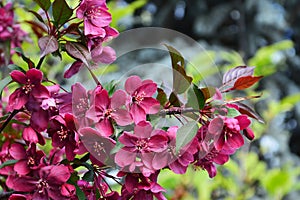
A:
214	156
104	111
6	21
29	159
140	147
49	182
95	15
176	161
227	131
63	133
138	186
141	101
30	87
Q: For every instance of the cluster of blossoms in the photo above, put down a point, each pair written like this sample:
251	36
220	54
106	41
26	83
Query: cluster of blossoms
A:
11	35
92	132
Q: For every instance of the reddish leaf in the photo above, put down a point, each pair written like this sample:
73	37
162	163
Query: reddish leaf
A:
235	73
174	101
244	109
245	82
77	50
38	29
47	44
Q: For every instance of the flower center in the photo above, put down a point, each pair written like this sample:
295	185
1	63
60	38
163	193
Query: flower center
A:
141	144
30	161
107	113
94	11
27	87
62	133
42	185
138	98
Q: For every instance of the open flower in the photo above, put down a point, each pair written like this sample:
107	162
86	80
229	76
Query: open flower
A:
29	159
63	133
141	101
95	15
104	111
30	86
140	147
49	182
176	161
227	131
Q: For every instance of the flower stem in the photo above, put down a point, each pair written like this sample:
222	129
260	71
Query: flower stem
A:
8	120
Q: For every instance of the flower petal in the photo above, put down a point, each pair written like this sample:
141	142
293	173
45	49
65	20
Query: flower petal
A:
137	113
18	76
124	158
17	151
34	75
105	127
132	83
118	99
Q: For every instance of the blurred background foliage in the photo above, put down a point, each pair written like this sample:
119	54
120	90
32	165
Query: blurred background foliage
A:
261	33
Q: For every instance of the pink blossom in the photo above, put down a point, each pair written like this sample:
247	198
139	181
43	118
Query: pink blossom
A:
105	111
140	147
141	101
138	186
227	131
95	15
176	161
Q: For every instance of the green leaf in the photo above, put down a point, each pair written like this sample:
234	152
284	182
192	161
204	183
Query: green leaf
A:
15	67
44	4
38	16
231	112
4	82
88	176
181	81
119	12
79	193
26	59
196	98
185	134
8	163
61	12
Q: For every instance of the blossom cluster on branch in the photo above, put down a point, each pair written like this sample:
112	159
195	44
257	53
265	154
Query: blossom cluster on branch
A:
94	132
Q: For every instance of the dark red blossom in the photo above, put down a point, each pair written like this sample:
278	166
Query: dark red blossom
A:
49	182
141	101
227	131
63	133
30	87
28	160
